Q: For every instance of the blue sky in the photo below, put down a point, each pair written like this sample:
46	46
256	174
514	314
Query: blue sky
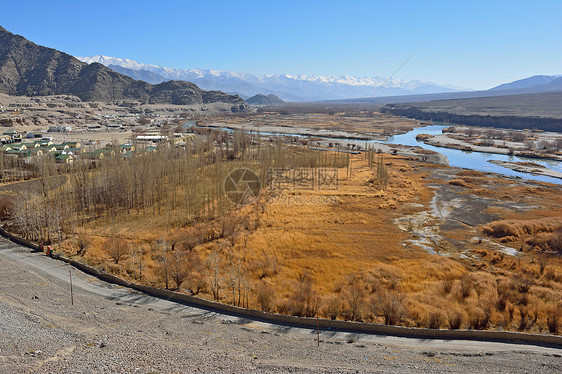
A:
476	44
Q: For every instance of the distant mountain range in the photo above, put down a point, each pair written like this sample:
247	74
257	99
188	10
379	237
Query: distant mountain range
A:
287	87
531	85
536	83
30	69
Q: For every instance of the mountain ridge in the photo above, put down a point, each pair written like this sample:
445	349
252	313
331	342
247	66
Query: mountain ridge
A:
289	87
30	69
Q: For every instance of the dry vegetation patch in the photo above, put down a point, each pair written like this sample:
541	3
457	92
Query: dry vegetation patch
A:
338	253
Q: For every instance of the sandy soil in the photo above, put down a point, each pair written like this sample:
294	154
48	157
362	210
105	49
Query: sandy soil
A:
114	330
501	141
535	169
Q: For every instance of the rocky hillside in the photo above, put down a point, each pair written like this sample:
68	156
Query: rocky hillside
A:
30	69
260	99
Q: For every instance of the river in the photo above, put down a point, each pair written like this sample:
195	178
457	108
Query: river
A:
463	159
473	160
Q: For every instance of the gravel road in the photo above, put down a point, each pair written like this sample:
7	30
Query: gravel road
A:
110	329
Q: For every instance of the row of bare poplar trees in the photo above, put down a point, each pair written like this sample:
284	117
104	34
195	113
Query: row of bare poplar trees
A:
184	183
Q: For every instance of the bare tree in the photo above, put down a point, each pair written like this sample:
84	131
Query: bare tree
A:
116	248
181	265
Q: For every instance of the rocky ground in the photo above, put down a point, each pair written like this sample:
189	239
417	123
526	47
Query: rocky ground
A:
114	330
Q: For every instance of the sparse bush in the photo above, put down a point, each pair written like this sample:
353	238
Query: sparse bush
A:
266	266
6	206
524	322
502	303
116	248
265	296
435	320
518	136
82	243
332	307
466	285
455	320
304	301
447	284
553	320
486	142
542	264
477	319
196	283
522	284
487	308
500	229
550	273
354	295
390	307
555	241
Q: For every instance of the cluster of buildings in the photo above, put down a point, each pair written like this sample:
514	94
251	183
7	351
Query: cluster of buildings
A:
64	152
33	145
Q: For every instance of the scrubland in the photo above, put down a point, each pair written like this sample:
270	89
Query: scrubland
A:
397	242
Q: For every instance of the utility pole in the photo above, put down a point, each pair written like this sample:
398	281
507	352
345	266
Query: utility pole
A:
71	293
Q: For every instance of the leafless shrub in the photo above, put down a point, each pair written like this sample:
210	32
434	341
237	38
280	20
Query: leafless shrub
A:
181	265
522	283
487	306
6	206
354	295
555	241
332	307
542	264
525	321
435	320
518	136
542	144
466	285
266	266
502	303
82	243
553	320
500	229
486	142
477	319
304	301
455	320
510	311
116	248
265	296
550	273
390	307
447	284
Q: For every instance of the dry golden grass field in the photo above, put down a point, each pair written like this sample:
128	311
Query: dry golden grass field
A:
436	247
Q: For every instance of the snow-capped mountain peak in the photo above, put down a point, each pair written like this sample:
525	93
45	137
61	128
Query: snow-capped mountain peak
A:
289	87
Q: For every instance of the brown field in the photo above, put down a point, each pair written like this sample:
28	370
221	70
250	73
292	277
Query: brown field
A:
438	248
348	119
